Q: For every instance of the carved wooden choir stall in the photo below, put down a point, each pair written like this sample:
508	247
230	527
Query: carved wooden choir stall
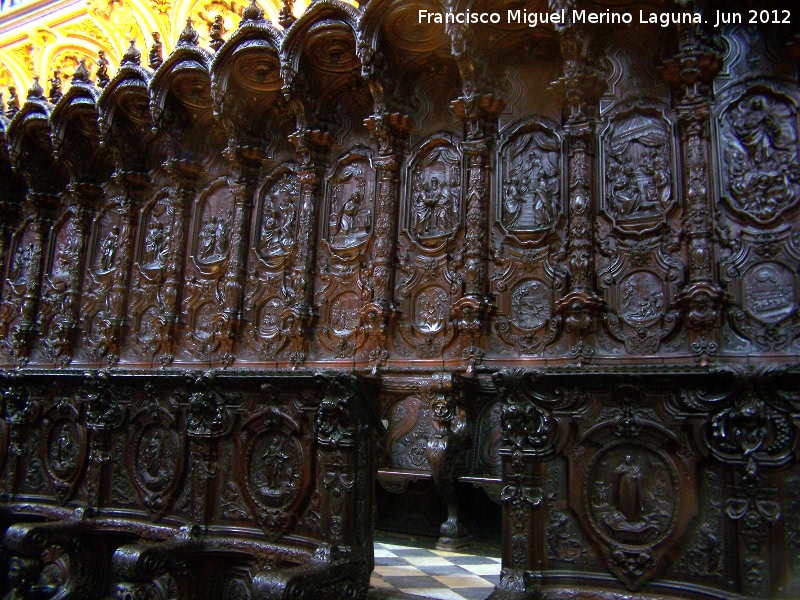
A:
553	267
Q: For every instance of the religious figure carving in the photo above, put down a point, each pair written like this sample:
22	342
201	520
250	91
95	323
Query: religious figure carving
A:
155	244
642	297
638	178
763	172
531	188
215	33
435	206
108	249
630	499
21	263
63	450
101	74
156	57
214	237
55	87
12	106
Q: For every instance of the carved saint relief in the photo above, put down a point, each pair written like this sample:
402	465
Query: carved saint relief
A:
351	193
213	227
107	244
638	172
435	203
278	218
770	292
632	496
65	254
531	182
155	241
530	304
274	473
156	458
63	450
20	263
760	141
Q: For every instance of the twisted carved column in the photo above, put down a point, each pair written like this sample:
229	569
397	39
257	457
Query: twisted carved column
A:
390	131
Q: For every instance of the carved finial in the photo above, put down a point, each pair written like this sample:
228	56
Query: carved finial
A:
252	12
13	102
286	17
132	56
215	33
81	73
55	87
36	91
101	74
189	36
155	52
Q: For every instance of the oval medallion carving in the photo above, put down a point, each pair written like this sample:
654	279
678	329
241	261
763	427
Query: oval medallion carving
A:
530	304
157	451
641	298
631	495
770	292
345	313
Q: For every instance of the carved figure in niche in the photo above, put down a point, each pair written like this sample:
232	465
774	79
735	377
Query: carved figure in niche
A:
153	456
155	244
63	450
431	309
108	249
530	305
351	218
642	298
638	174
763	171
214	237
531	189
21	263
66	251
435	205
274	463
630	500
276	235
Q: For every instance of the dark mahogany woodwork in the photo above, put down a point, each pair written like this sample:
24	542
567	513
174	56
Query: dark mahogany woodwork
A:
560	264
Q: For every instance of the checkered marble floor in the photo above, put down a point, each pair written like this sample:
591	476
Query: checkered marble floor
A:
433	573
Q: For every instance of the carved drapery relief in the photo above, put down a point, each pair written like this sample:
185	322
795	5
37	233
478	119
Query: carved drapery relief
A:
351	192
434	195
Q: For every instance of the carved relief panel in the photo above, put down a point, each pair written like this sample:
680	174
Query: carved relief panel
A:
204	288
342	282
267	291
58	307
146	306
529	195
408	429
63	448
107	253
528	238
758	132
156	458
427	278
24	251
638	188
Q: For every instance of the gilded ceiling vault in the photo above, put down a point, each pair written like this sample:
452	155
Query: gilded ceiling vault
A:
270	264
